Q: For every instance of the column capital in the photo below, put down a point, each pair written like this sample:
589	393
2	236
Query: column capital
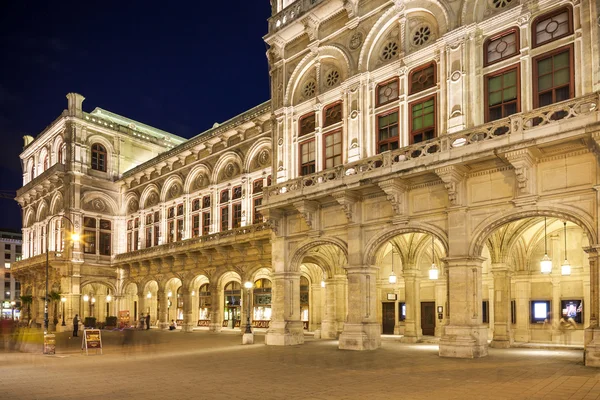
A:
466	261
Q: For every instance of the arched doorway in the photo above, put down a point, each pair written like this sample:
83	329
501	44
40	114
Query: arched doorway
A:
204	306
261	301
232	295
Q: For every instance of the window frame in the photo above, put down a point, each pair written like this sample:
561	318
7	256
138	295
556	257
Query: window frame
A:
419	69
551	14
328	107
314	161
535	73
493	74
411	133
385	83
99	152
497	36
324	147
377	117
307	115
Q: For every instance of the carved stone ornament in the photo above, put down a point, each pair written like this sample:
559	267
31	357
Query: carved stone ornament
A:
201	181
98	205
174	190
152	200
356	40
230	170
133	206
455	76
264	158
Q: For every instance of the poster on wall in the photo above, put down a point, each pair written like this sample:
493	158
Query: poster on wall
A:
572	309
123	318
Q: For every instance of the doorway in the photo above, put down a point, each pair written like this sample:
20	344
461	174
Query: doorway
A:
388	319
428	318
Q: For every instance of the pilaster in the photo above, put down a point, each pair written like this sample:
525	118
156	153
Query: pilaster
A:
502	296
412	323
285	328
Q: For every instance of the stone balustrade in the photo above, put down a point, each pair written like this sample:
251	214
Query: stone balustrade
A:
291	13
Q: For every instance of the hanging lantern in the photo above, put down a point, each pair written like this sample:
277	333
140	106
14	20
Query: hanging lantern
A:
565	269
433	271
546	262
392	278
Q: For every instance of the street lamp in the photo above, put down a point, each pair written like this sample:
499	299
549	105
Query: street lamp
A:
248	285
63	300
74	238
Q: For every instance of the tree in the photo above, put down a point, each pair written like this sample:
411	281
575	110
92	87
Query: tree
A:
27	300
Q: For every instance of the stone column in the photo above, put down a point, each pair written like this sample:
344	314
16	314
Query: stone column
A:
315	307
522	298
188	323
163	303
362	330
285	327
591	355
465	335
216	304
502	296
441	299
412	323
329	324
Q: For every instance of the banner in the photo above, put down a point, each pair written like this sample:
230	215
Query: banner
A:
124	318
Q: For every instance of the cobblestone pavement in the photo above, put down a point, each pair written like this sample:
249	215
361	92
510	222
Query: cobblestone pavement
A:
201	365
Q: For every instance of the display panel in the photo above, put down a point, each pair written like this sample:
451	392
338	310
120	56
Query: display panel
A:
572	309
401	311
540	311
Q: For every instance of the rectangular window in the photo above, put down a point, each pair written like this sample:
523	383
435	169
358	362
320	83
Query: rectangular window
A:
156	234
237	215
257	186
387	92
206	223
224	219
105	243
502	94
422	78
553	79
171	235
7	256
422	120
224	196
89	244
7	247
501	46
196	205
257	216
171	212
18	249
387	132
307	124
307	157
552	26
179	229
332	149
485	310
513	312
206	202
149	236
196	225
332	114
237	193
179	210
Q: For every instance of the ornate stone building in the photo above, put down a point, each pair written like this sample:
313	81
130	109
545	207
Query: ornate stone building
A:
424	168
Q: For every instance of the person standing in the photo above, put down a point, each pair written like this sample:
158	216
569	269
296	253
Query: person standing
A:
148	321
75	325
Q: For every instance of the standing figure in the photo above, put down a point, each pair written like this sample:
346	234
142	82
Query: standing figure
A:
75	325
142	320
148	321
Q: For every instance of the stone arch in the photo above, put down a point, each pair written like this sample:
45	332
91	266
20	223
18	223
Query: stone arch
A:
252	162
227	167
298	75
43	154
29	217
258	272
150	196
56	204
197	281
481	233
93	139
99	202
30	170
131	204
42	211
124	284
415	19
376	33
198	178
95	282
57	148
228	276
474	11
172	188
373	246
305	247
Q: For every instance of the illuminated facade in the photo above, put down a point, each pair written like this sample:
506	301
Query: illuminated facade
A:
456	139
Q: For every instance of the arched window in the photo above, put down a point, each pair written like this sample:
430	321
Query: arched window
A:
31	171
98	157
45	161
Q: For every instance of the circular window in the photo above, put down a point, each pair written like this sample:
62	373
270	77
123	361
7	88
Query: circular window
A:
501	3
421	35
390	50
332	78
309	89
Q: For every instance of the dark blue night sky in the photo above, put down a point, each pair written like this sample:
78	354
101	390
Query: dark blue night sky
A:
178	66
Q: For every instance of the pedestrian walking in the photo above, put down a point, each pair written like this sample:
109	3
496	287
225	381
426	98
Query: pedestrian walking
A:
75	325
148	321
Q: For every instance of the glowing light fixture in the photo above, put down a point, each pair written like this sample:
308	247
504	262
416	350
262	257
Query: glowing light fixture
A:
546	262
149	295
565	269
108	297
86	298
248	285
433	271
392	278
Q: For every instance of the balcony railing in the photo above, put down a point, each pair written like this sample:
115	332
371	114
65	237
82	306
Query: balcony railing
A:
57	168
291	13
231	236
513	125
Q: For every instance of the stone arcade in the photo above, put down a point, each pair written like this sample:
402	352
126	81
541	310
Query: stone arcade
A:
454	137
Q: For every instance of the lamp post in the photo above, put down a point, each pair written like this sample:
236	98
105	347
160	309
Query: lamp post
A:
75	238
248	337
63	300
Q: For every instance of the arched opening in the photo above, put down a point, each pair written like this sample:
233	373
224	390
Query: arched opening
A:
261	301
174	311
129	305
204	305
149	298
96	304
535	280
98	157
232	294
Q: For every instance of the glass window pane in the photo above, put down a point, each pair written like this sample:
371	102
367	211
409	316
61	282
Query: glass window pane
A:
545	66
510	93
494	98
544	82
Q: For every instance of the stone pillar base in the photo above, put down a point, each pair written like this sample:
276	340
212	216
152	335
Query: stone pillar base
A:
329	330
187	328
317	334
365	336
409	339
286	333
214	327
163	325
591	353
248	338
500	344
464	342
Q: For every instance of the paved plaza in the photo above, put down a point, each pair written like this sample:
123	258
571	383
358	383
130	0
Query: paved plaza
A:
201	365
